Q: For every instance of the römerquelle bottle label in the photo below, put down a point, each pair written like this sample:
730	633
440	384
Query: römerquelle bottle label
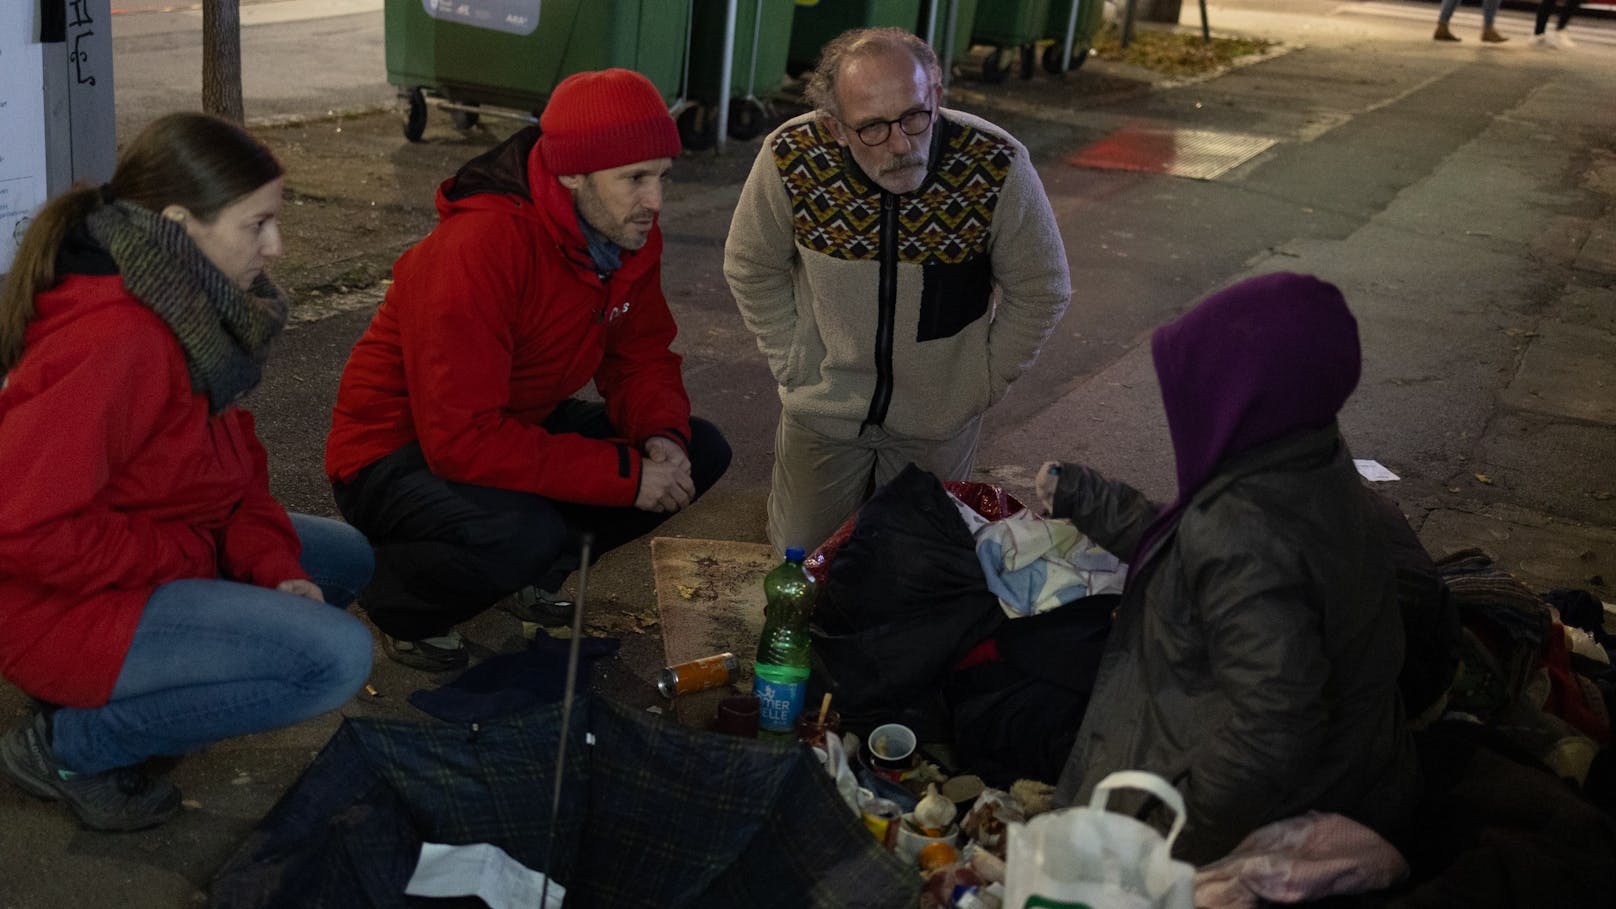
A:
778	703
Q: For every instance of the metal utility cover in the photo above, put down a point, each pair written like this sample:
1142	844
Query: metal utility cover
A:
1195	153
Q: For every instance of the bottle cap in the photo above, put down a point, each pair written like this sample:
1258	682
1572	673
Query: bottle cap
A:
794	553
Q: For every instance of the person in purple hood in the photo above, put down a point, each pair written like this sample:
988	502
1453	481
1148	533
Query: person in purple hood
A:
1255	654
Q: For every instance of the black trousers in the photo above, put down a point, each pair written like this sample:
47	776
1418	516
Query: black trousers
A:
447	551
1545	9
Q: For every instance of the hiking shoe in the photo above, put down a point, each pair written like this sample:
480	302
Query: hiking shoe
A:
1561	39
119	799
532	604
436	654
1543	41
1443	34
1492	36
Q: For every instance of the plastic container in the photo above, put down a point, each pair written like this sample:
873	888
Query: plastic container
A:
510	54
780	675
815	23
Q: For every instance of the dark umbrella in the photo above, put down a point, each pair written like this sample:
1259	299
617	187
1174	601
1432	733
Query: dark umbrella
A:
652	814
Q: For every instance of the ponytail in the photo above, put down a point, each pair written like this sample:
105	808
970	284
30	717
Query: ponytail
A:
191	159
33	271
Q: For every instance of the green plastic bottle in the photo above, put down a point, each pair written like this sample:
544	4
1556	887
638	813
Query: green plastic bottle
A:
780	675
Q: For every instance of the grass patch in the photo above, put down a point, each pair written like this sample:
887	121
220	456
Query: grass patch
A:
1176	53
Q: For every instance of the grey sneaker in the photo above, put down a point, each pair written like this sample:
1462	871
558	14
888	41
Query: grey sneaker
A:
120	799
531	604
436	654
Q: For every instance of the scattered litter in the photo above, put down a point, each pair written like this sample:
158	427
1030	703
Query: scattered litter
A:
1373	471
483	870
243	780
190	804
1484	479
371	690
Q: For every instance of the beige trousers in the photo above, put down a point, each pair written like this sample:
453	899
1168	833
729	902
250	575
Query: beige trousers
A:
819	481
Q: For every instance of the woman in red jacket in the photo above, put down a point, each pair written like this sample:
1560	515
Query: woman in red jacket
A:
151	590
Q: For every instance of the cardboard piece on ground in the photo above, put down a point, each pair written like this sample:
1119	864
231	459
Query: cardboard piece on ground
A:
710	599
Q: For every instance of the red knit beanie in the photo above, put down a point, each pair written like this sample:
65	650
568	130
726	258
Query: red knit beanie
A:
605	119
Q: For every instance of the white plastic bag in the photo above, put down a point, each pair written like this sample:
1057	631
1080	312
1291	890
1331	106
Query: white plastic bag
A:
1098	859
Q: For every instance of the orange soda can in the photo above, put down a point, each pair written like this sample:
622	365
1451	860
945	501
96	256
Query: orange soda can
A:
698	675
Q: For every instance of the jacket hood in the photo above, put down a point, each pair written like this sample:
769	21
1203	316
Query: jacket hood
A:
511	177
1268	357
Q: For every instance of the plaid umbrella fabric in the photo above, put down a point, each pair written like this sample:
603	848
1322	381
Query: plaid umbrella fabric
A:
652	814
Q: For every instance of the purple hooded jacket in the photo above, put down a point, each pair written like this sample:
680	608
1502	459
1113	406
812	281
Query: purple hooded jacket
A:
1255	362
1254	658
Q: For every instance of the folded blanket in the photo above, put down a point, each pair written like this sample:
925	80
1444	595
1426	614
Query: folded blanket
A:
1034	564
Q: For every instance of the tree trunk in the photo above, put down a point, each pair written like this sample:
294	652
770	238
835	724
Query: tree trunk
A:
1160	10
221	59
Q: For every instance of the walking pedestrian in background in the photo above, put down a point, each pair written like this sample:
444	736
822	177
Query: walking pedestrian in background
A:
1489	12
1541	37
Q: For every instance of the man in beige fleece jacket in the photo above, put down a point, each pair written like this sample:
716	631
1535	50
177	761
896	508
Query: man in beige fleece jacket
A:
900	266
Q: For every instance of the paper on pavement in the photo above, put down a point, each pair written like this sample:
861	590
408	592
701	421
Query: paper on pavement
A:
482	870
1373	471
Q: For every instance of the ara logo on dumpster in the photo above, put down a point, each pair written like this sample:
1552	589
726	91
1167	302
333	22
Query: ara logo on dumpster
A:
518	17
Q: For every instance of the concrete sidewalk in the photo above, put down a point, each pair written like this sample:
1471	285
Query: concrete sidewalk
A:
1463	197
1486	295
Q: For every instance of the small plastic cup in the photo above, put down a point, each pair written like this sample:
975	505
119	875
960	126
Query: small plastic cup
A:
892	749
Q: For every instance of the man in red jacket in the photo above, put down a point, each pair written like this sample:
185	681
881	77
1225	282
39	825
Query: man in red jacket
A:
456	444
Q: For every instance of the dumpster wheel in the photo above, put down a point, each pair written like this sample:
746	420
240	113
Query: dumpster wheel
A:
415	120
1080	55
698	127
748	118
464	119
994	70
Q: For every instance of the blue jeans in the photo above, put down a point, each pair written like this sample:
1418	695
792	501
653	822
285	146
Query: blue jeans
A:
213	659
1489	11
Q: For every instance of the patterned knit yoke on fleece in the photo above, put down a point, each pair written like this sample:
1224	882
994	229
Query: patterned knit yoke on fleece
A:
1270	356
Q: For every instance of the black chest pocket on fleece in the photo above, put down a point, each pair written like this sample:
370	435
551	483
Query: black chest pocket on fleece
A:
953	296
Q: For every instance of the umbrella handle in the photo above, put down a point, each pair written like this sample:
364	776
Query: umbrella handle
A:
566	711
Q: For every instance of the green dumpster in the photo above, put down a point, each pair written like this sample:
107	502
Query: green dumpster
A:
758	67
818	21
1009	26
963	13
1081	30
509	54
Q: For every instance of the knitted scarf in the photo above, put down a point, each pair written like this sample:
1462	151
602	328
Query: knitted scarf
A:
224	331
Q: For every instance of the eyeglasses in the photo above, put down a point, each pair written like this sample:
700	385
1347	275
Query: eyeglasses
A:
912	123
